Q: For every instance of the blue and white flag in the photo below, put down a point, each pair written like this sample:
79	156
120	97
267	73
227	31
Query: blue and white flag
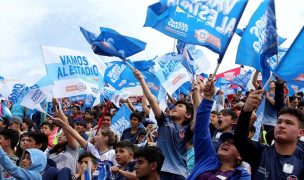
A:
121	120
114	96
240	32
294	87
291	66
5	90
274	60
152	82
204	23
259	121
170	72
144	65
34	95
17	92
119	75
259	41
111	43
242	79
74	73
195	60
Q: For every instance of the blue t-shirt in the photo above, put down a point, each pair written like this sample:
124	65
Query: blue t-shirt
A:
270	113
275	166
171	141
127	135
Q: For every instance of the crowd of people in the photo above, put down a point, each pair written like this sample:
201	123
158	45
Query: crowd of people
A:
201	135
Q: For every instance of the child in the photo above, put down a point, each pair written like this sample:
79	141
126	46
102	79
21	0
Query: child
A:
85	161
32	163
124	155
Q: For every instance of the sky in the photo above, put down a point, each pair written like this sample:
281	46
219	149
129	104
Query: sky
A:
28	24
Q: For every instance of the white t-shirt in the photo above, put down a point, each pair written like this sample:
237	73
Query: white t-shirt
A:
106	156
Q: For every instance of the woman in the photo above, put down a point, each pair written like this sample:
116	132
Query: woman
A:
22	145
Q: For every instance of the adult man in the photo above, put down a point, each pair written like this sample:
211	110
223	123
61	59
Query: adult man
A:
283	160
171	139
149	162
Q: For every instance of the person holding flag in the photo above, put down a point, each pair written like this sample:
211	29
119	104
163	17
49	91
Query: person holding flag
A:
172	128
283	160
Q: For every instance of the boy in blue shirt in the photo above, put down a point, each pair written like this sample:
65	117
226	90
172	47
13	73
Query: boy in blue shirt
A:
171	139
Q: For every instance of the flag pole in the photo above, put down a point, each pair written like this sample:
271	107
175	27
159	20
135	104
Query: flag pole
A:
268	81
127	63
217	66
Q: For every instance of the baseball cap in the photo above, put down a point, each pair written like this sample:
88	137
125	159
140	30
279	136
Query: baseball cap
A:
226	136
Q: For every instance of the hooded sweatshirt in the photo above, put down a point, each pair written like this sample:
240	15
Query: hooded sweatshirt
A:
38	159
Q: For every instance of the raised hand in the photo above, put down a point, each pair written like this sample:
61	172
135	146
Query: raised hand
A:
209	89
253	101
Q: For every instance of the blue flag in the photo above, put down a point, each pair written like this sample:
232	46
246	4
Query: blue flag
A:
259	41
144	65
153	82
274	60
111	43
204	23
119	75
242	79
291	66
120	120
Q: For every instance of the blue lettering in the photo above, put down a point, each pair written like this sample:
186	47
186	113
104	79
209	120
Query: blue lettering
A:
63	60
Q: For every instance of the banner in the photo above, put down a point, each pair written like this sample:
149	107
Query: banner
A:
230	74
34	95
121	120
259	41
111	43
204	23
171	72
74	73
291	66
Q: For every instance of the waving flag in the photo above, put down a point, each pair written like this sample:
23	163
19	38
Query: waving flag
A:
119	75
230	74
152	82
120	120
33	96
274	60
73	72
16	94
171	72
144	65
114	96
242	79
291	66
259	41
204	23
111	43
4	89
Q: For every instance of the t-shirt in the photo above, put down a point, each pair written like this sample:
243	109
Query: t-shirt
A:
270	113
127	135
171	140
105	160
130	168
275	166
67	158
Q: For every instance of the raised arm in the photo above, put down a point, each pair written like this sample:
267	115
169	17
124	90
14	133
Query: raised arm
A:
279	95
130	105
71	141
145	107
154	105
250	151
197	98
255	80
68	130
